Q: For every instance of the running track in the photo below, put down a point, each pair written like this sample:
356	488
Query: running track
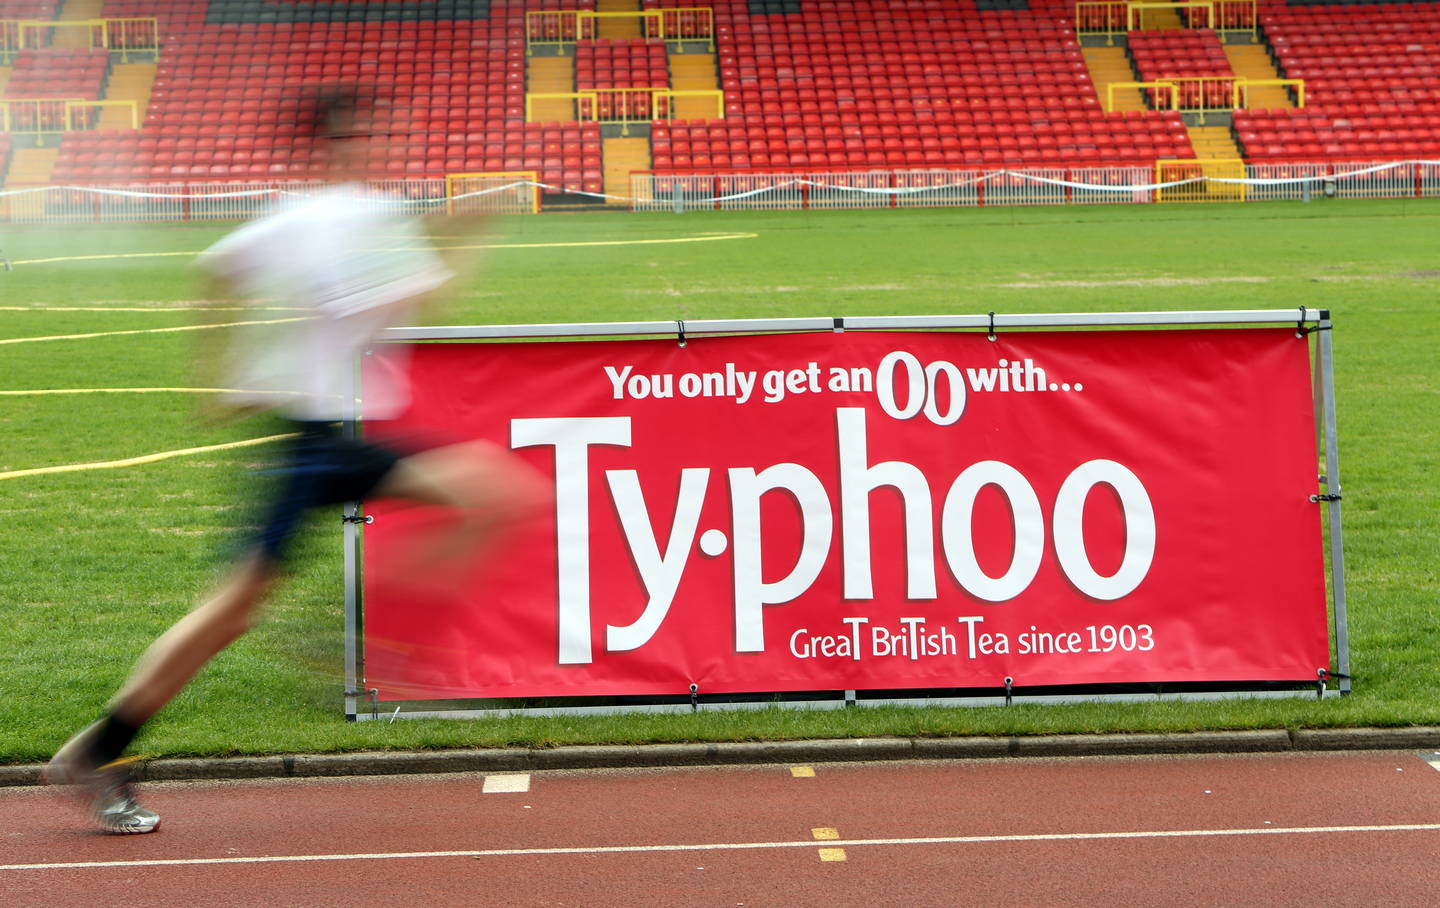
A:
1292	829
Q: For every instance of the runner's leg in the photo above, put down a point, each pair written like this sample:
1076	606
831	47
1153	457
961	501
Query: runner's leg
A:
488	489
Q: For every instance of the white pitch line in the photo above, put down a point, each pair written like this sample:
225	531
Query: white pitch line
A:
725	846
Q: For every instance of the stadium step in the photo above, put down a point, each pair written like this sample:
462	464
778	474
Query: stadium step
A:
1110	64
1152	19
128	82
76	11
1213	143
31	167
551	75
619	27
694	72
1253	62
622	156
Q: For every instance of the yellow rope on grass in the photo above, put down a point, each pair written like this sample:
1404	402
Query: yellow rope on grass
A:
143	459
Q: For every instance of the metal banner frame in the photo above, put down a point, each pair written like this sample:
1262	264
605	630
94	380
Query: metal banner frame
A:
361	703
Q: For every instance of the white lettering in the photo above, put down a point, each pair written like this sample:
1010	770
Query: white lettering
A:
857	480
660	574
572	438
955	529
1070	531
617	380
752	593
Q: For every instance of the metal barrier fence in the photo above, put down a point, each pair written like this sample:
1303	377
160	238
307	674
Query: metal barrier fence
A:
519	193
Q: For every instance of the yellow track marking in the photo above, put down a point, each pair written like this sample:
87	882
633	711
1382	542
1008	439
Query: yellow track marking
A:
828	834
143	459
684	239
802	772
58	337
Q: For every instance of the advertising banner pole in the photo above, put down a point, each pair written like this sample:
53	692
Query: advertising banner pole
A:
1326	380
351	547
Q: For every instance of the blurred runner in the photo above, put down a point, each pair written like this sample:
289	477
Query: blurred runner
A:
356	268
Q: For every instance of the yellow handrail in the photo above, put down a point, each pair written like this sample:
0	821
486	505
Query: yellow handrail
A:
1110	92
72	106
48	116
54	116
456	184
134	34
671	95
1234	88
1243	86
625	105
1209	173
1116	17
565	27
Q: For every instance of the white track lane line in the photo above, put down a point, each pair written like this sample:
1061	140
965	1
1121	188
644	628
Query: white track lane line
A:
728	846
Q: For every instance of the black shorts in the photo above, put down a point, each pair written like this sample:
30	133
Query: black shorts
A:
320	467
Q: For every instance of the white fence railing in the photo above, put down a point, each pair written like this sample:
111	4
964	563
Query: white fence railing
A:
506	194
1036	186
238	201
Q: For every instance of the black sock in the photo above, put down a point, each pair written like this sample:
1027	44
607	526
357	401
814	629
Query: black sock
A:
113	736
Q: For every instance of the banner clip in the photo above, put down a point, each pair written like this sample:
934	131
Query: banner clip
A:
373	695
1327	497
839	325
991	332
1009	689
1300	329
694	698
680	327
355	518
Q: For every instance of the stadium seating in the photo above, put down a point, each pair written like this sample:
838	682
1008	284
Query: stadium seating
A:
216	106
57	74
631	63
849	83
832	84
28	9
1369	74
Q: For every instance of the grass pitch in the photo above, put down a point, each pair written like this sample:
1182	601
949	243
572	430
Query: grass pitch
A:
97	562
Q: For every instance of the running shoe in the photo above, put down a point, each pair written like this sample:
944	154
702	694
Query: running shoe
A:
109	789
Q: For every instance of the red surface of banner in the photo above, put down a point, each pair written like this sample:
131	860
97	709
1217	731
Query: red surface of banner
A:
870	511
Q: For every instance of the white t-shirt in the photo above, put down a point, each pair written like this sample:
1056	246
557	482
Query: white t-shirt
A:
351	264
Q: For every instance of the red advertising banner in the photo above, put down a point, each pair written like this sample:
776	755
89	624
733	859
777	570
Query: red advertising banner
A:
871	511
